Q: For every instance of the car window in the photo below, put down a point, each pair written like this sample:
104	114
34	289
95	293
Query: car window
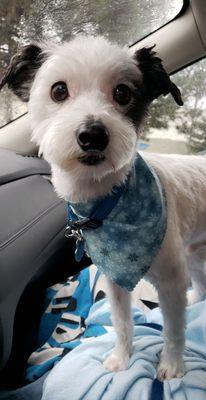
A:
173	129
23	21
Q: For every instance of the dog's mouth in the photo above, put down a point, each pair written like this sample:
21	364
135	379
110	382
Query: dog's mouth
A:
92	158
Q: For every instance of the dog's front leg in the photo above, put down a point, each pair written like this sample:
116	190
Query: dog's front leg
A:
171	286
121	314
173	304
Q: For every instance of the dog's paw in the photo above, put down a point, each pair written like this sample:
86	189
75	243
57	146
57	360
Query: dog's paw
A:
116	362
170	369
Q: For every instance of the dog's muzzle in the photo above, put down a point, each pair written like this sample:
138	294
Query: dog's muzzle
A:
93	138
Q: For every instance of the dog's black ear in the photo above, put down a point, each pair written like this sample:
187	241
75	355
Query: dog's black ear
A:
156	81
21	71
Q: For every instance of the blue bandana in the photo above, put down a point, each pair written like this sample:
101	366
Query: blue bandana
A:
125	244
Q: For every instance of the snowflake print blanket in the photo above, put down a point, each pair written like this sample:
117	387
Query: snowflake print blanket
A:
124	246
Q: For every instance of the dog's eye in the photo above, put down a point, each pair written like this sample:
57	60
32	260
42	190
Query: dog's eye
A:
59	91
122	94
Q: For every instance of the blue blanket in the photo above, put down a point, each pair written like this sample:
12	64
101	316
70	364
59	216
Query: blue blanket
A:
80	375
82	324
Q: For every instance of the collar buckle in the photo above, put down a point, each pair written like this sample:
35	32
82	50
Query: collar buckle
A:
74	228
73	231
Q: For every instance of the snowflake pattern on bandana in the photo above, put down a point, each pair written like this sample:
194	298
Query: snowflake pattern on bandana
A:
124	247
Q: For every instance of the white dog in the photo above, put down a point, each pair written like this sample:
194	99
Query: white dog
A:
87	99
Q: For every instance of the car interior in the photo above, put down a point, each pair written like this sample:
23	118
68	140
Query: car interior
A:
34	252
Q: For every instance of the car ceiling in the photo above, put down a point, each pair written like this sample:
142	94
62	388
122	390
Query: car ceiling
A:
183	40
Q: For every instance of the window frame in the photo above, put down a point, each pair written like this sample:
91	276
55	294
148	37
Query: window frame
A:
185	5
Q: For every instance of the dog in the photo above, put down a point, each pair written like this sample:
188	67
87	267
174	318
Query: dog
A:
87	100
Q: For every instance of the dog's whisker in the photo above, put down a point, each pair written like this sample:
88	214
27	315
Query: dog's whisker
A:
113	166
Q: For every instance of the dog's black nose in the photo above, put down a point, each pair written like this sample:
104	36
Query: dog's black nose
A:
93	137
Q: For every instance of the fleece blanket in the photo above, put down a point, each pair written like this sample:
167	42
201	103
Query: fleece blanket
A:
78	319
80	374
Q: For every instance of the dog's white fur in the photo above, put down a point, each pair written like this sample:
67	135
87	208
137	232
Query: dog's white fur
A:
91	67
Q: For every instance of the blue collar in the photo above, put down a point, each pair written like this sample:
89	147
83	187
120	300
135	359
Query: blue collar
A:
97	211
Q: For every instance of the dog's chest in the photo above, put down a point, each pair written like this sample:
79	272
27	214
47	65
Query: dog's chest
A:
124	246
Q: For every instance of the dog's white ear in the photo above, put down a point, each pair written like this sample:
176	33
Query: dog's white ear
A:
156	81
22	69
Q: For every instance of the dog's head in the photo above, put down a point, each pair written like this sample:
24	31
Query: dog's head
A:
87	99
